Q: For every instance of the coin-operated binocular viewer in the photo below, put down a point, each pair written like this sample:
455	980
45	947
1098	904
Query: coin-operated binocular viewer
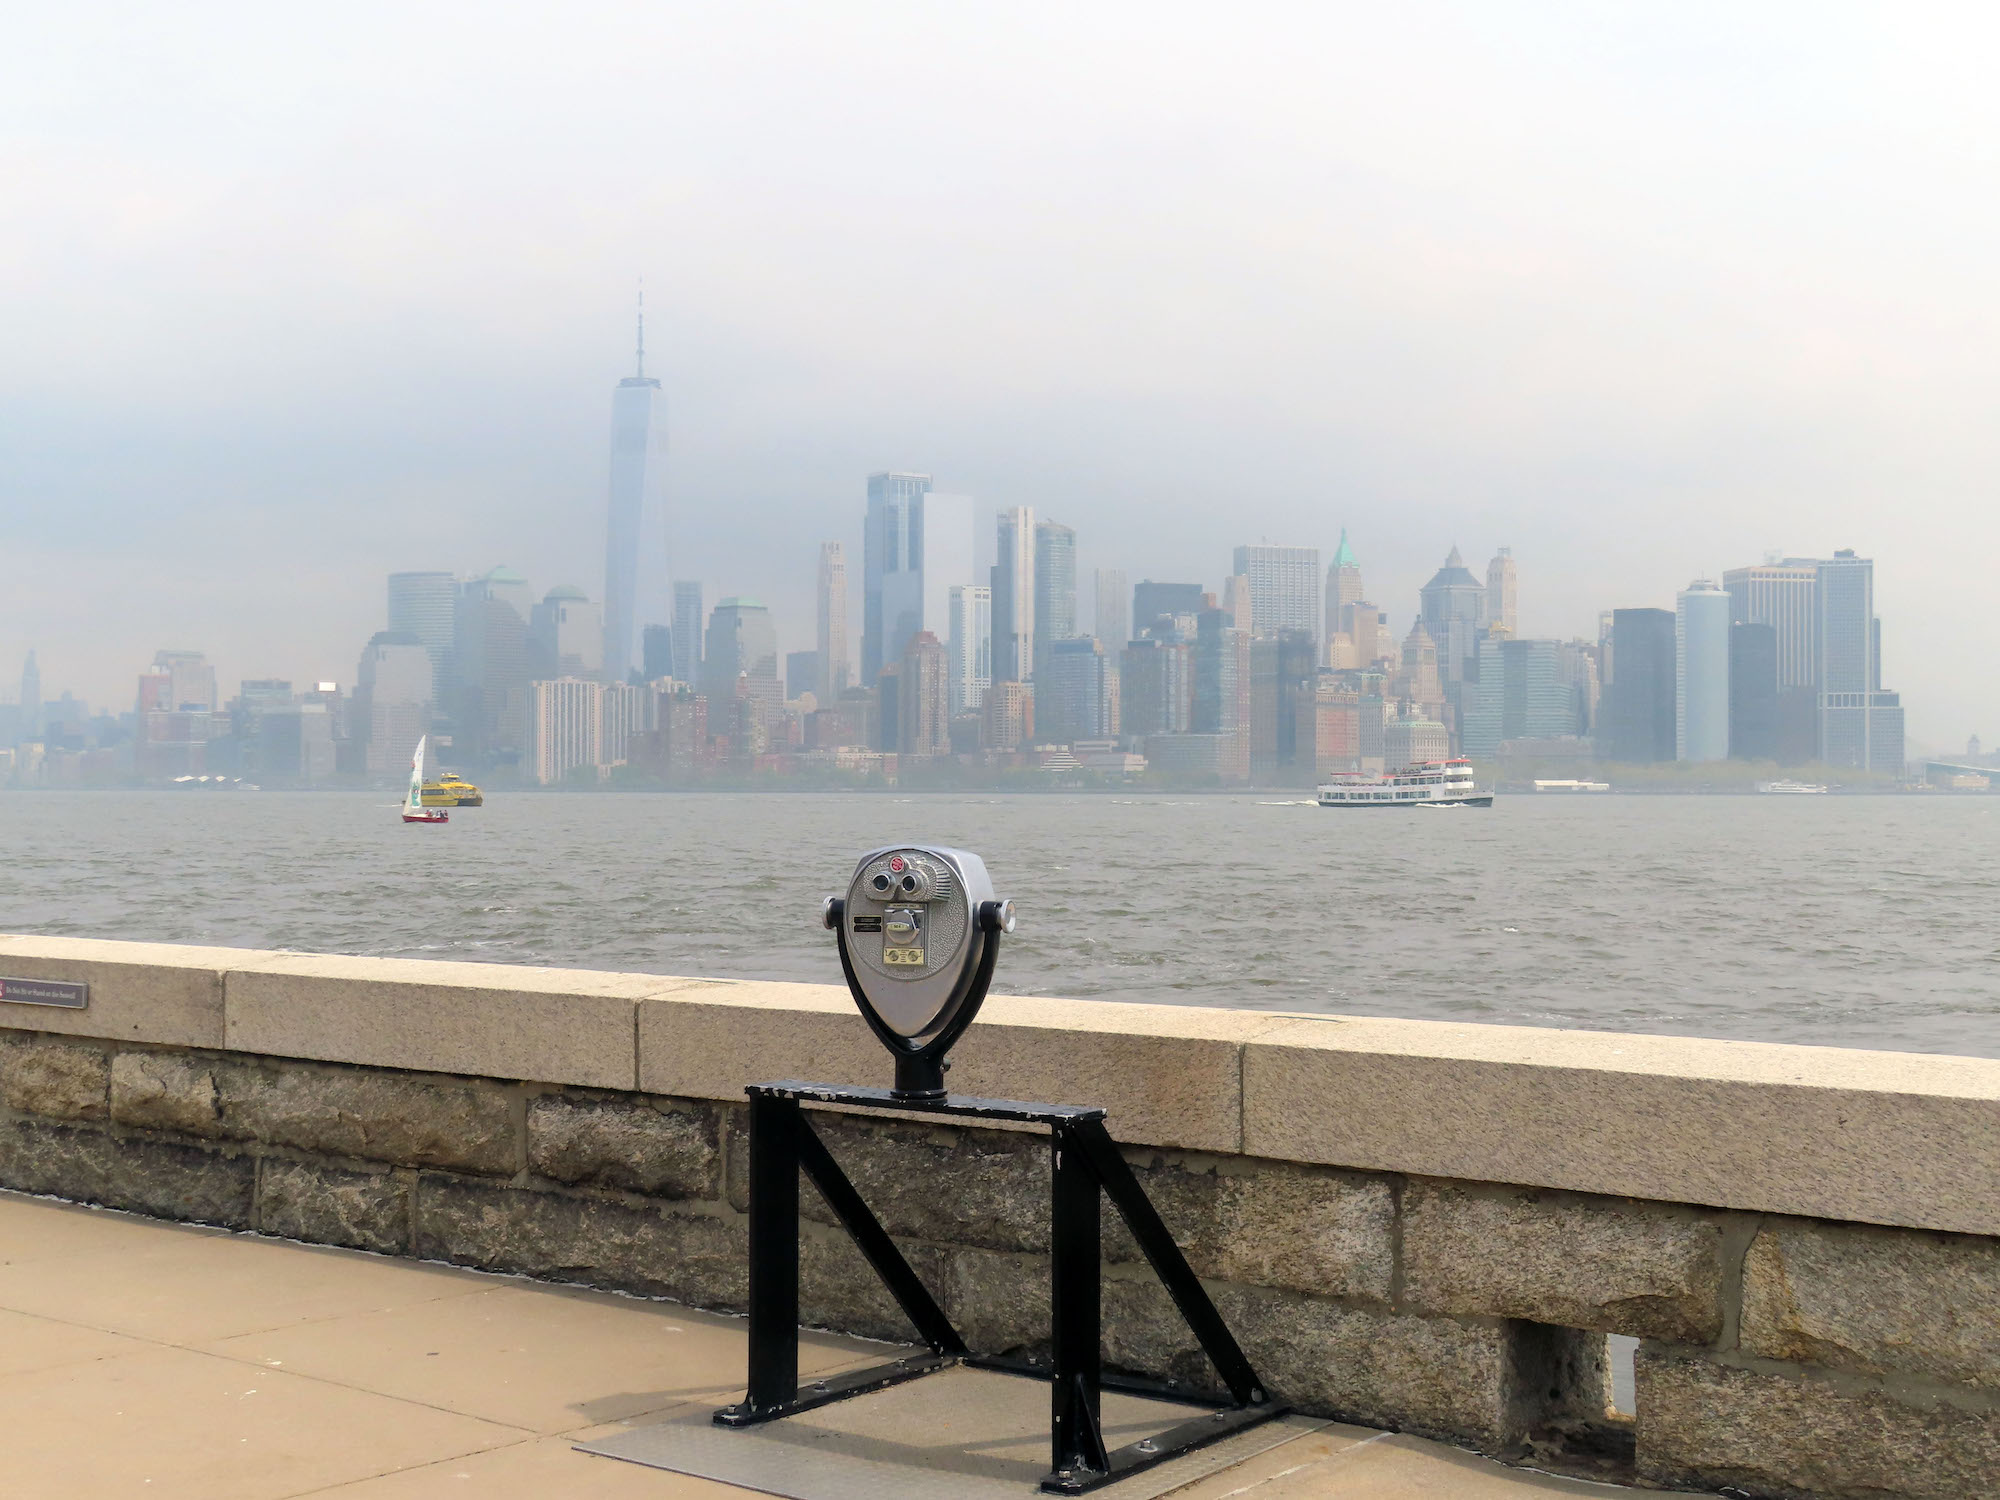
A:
919	932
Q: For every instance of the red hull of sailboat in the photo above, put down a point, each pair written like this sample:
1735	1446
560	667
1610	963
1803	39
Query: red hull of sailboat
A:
438	817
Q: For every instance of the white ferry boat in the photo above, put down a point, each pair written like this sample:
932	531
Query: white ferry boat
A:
1433	783
1792	788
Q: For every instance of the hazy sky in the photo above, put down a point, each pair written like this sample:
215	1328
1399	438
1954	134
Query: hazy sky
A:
290	299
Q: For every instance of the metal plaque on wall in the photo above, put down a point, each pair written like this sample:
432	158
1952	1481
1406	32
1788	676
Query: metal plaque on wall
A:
63	992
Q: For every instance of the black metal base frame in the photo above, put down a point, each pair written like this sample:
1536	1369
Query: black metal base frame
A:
1086	1164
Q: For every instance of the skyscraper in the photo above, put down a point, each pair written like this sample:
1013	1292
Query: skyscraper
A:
627	713
740	672
836	671
687	630
1055	586
1416	682
969	646
1368	633
1453	607
1055	611
1156	684
425	606
1217	745
1013	589
635	535
567	719
656	652
946	558
1280	666
505	584
1076	695
921	544
491	667
1520	695
1009	715
1328	730
1784	594
190	679
1701	672
1237	603
176	710
1753	692
565	635
295	744
1576	670
885	694
802	674
1343	588
31	698
392	691
1846	625
885	556
259	696
1152	601
1501	591
1860	725
1284	588
742	642
1221	678
748	722
1114	609
923	699
1639	703
680	744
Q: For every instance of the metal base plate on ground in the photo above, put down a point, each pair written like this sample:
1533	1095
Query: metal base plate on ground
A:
970	1434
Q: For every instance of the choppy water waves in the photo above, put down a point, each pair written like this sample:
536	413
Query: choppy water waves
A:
1850	921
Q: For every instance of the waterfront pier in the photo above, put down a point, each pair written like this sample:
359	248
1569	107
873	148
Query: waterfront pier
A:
1448	1232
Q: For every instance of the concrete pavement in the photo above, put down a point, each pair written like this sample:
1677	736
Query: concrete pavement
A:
139	1357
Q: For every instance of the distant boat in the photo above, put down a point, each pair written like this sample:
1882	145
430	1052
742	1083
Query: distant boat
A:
1430	783
1792	788
414	810
452	790
1572	786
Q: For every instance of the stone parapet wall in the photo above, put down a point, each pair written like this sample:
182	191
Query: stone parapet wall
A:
1318	1186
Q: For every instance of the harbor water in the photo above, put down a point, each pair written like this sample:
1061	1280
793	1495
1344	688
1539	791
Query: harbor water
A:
1849	921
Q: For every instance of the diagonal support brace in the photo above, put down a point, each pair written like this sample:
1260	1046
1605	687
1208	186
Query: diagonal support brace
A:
1084	1161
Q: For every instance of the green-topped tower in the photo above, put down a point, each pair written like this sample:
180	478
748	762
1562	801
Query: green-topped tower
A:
1343	589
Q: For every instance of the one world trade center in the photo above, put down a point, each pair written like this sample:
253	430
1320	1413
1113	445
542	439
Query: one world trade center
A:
635	533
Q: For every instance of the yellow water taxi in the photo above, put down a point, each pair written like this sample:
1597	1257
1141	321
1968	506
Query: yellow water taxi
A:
452	790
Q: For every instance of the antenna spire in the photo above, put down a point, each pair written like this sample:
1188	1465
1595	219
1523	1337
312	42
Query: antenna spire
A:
642	328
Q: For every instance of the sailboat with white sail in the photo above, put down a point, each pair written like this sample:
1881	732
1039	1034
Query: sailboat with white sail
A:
414	810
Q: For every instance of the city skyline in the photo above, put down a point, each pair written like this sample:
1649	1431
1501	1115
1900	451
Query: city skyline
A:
1280	674
905	511
919	546
1780	661
794	619
563	634
1430	310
